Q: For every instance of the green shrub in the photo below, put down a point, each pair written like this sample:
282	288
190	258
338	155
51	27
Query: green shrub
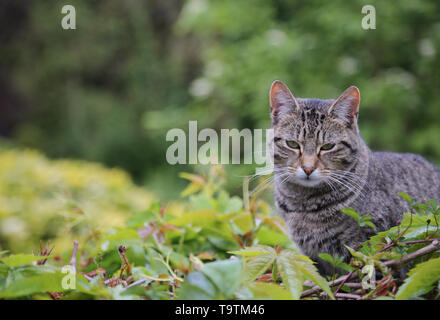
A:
42	199
210	246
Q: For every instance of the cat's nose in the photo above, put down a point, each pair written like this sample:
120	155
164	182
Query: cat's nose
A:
308	169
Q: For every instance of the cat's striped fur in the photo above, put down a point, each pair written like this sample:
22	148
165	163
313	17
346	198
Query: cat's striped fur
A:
347	175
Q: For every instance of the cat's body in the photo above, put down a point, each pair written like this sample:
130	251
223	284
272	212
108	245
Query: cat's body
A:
322	165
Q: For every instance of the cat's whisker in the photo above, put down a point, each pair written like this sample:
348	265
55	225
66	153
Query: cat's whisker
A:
349	186
344	182
330	184
287	177
261	186
263	173
266	183
355	180
346	175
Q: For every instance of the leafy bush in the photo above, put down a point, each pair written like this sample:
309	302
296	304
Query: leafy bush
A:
42	199
134	70
213	246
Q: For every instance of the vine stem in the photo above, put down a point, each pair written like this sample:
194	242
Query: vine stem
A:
407	242
316	289
73	258
435	245
420	241
344	281
246	194
347	296
413	255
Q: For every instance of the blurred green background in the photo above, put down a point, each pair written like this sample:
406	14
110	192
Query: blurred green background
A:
109	90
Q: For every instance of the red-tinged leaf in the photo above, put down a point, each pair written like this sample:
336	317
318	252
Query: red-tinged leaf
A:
265	278
168	227
96	272
237	238
184	269
276	223
146	231
162	210
206	256
192	188
192	177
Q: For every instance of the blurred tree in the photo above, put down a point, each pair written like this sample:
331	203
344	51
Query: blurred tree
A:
109	90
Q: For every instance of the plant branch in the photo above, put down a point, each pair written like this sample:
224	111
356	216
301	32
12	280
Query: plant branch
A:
73	258
333	283
435	245
396	264
344	281
347	296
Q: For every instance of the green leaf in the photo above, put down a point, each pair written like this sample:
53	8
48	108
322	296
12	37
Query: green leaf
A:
336	261
20	259
357	254
220	238
292	277
244	222
407	197
258	263
123	235
368	224
175	258
190	189
201	217
422	276
309	271
36	284
421	207
433	204
327	257
225	274
203	202
254	251
269	236
197	287
272	291
352	213
227	204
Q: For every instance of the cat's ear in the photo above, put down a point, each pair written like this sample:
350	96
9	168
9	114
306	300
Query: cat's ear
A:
281	99
346	107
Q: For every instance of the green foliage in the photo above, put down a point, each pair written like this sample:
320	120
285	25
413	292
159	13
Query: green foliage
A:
258	260
110	90
49	281
226	275
421	279
210	246
19	259
336	261
64	199
362	221
179	250
294	268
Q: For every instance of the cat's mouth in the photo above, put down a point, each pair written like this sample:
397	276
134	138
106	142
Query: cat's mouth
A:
312	180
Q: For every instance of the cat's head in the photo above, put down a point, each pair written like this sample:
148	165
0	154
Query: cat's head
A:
316	141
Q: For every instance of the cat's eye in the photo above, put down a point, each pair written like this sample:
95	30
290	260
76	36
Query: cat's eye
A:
328	146
292	144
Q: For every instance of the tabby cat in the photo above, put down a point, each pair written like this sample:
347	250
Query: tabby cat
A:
322	165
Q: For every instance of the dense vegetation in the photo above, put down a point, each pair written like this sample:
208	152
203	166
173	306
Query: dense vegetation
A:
109	91
208	246
61	200
132	70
